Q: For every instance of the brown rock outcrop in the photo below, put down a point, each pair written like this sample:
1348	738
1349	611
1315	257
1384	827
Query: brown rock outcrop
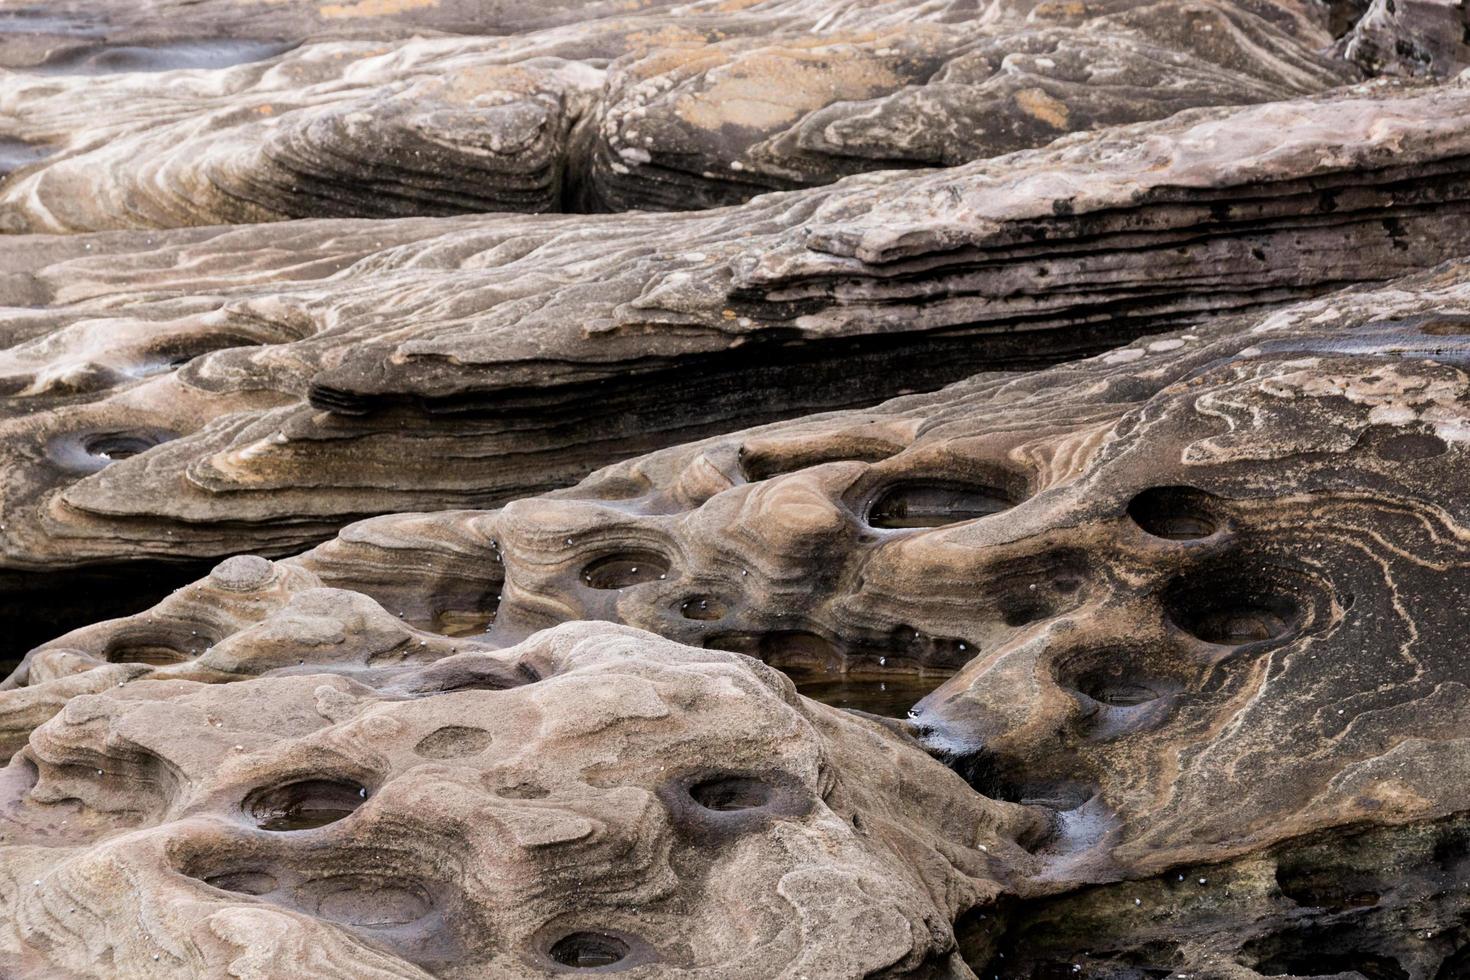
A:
1193	602
707	104
186	395
518	813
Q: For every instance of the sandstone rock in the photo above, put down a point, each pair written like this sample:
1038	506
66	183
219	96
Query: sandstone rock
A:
182	396
706	105
519	813
1188	610
1411	37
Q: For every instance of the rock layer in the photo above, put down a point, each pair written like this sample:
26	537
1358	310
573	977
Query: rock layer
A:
671	109
185	395
1189	607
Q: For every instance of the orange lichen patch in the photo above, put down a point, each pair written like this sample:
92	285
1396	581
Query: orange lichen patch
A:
770	88
1059	10
667	34
1037	104
468	83
373	8
265	110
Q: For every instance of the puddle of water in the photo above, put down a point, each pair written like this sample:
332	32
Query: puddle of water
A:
103	59
35	20
15	154
891	696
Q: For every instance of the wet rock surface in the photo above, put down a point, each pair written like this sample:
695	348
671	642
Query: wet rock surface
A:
645	631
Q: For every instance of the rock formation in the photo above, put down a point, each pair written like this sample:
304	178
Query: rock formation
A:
529	812
186	395
644	110
1173	602
1133	652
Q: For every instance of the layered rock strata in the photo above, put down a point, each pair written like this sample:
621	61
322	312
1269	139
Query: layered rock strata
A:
185	395
656	108
1189	612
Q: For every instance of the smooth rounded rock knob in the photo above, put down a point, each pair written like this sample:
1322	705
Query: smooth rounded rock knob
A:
243	573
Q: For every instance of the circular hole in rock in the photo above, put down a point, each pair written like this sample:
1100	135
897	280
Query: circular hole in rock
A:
453	742
365	900
1232	611
624	569
113	446
90	451
1120	690
243	882
1020	615
934	503
1175	513
143	652
159	646
723	794
588	950
304	805
702	607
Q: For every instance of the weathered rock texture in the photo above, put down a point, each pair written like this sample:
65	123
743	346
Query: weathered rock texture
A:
1191	608
595	792
1411	37
704	105
186	395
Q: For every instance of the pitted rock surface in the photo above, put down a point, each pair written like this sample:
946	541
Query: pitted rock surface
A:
1054	563
1190	607
175	397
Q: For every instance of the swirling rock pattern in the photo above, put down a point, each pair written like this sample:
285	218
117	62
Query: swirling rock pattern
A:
509	813
707	104
186	395
1188	611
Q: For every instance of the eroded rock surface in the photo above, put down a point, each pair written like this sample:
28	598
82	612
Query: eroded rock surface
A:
186	395
1193	605
658	107
561	805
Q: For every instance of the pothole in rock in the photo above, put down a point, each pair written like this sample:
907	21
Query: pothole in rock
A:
159	645
887	680
1121	689
304	805
888	697
702	607
453	742
1175	513
934	503
1234	609
724	794
454	622
620	570
243	882
370	901
588	950
470	612
174	353
90	451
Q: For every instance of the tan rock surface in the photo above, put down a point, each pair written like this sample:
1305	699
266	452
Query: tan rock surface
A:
1192	601
646	105
186	395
